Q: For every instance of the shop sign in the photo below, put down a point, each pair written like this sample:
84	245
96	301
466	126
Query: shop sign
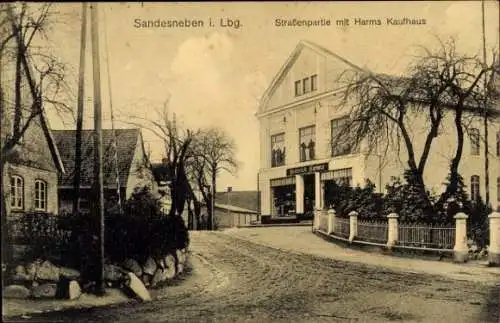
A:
307	169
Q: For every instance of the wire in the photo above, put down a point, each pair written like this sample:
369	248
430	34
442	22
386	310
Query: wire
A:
115	142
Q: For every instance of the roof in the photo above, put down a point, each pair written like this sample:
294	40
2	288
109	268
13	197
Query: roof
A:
243	199
234	209
127	140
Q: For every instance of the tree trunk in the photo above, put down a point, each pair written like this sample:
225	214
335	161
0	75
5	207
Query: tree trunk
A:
452	187
6	244
212	200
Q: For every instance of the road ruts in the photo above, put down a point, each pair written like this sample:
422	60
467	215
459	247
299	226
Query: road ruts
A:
235	280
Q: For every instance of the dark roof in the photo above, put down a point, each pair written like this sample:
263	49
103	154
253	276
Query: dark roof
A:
242	199
127	140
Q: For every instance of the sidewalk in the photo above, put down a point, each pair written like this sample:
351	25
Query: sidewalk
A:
302	240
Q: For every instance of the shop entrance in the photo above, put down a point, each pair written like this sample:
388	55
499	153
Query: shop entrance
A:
309	193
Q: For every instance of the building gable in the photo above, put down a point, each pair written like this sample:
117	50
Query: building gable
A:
294	82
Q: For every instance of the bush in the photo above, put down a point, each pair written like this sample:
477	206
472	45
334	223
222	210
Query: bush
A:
143	230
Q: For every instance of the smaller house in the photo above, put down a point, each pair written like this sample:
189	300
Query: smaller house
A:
125	165
229	216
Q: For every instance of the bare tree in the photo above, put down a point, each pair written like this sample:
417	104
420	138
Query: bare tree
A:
176	143
383	108
213	152
29	67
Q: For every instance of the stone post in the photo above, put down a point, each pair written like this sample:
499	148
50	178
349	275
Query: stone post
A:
460	250
317	219
353	225
494	249
331	221
392	230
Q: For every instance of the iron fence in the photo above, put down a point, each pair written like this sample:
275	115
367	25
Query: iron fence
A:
342	227
372	231
426	235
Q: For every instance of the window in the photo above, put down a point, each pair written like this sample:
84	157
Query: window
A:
307	138
40	195
305	85
474	141
474	188
278	150
339	139
298	88
498	144
314	82
16	192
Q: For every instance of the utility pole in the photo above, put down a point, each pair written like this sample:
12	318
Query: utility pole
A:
486	150
98	150
79	118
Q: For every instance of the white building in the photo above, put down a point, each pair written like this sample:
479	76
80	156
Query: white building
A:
299	114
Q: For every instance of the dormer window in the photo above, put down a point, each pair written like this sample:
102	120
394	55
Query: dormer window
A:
298	88
306	85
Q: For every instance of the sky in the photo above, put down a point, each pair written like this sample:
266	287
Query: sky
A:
214	76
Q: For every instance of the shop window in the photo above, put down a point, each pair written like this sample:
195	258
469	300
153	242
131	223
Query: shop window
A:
307	142
278	150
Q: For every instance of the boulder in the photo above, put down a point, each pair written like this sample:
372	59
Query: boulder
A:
16	291
161	263
32	268
20	270
180	268
149	266
69	273
48	290
21	278
137	287
47	272
158	277
112	273
170	271
74	290
133	266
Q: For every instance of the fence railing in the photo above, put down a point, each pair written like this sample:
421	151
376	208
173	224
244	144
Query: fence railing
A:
341	227
426	235
373	231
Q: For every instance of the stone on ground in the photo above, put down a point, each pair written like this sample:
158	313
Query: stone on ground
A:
170	270
48	290
138	288
113	273
16	291
69	273
150	266
74	290
133	266
47	272
158	277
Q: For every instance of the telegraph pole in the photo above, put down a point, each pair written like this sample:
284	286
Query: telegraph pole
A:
486	150
79	118
98	149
